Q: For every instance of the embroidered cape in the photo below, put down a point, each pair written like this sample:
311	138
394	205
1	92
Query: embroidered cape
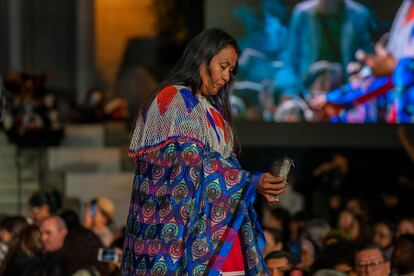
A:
190	198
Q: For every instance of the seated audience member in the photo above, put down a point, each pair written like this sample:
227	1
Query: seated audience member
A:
93	109
26	259
80	252
98	217
352	225
98	108
403	256
78	257
339	256
384	233
53	233
370	260
308	254
274	240
278	263
42	205
10	229
358	206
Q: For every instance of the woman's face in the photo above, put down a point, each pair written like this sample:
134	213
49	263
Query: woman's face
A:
221	67
345	221
383	235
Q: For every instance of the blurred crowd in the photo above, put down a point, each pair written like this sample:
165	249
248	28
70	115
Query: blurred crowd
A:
324	65
33	115
330	229
61	241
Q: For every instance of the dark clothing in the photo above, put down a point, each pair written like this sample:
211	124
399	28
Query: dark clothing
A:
22	264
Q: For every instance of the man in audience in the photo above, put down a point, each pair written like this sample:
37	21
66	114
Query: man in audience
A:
370	260
327	30
403	256
53	233
278	263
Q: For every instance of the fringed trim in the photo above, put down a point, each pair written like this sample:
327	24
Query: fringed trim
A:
136	153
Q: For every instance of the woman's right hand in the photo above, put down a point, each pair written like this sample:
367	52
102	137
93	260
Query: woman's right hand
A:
271	187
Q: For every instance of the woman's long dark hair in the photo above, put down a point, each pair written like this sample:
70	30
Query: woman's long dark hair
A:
202	49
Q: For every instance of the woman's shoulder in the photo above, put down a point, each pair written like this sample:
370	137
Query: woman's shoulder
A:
180	94
173	89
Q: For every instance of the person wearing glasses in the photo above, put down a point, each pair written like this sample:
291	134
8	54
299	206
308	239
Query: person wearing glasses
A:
370	261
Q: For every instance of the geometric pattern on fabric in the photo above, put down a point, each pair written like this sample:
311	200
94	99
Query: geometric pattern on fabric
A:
186	209
176	113
190	198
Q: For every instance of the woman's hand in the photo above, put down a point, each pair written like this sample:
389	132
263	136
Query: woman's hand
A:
271	187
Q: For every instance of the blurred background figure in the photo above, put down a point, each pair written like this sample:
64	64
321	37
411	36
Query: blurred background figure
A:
279	263
27	257
98	217
10	228
43	204
384	233
327	30
274	241
53	233
403	256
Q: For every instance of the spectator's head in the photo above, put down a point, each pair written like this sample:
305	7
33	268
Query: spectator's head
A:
405	226
40	206
307	254
95	97
78	256
384	234
30	240
278	262
54	231
71	219
102	211
339	256
323	76
403	255
289	111
274	241
351	224
358	206
11	227
370	260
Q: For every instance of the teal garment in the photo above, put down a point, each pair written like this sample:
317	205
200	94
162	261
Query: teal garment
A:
331	37
305	35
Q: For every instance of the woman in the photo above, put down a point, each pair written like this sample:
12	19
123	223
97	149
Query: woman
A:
27	257
192	210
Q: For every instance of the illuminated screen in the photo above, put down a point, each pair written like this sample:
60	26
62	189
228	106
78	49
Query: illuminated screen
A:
306	61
